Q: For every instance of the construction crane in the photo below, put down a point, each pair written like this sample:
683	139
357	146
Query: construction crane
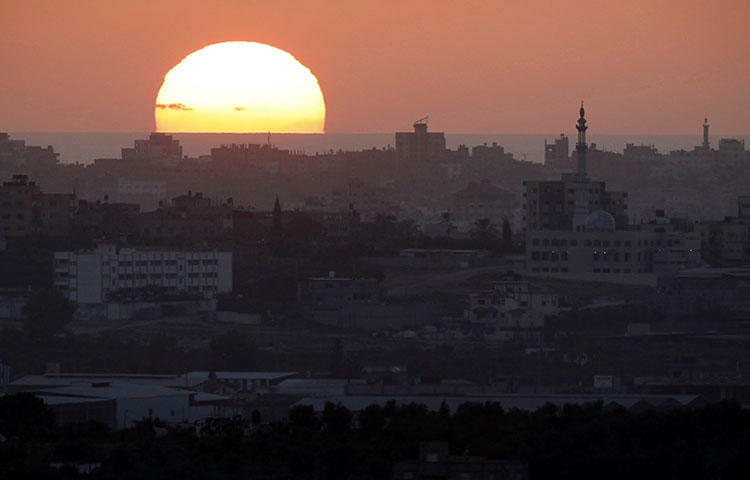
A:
421	120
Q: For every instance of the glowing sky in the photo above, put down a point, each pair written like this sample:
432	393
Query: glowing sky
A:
508	66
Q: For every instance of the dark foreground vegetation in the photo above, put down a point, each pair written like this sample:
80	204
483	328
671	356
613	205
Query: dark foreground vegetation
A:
577	442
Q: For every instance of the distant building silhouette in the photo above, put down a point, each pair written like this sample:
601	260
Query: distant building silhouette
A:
557	154
706	143
26	210
159	146
420	145
732	151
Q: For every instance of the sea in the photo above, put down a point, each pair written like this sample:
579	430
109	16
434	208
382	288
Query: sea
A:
85	147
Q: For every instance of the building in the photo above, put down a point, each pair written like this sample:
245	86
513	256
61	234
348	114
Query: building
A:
367	200
419	146
493	153
435	462
484	200
26	210
190	219
91	277
743	206
600	251
147	194
15	153
333	292
159	147
728	241
564	204
557	154
732	151
120	404
577	229
514	309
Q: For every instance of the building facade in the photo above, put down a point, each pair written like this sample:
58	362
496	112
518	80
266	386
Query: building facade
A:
26	210
419	146
609	252
557	154
91	277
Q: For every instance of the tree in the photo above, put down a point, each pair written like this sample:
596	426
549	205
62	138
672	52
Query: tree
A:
47	312
507	235
24	415
277	233
484	232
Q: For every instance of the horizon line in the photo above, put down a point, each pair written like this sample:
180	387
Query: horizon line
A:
361	133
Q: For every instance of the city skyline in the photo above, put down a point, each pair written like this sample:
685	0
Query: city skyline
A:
641	68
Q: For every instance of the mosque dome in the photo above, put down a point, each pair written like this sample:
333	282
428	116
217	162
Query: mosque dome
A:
600	221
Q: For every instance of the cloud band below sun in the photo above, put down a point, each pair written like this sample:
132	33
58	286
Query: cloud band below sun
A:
173	106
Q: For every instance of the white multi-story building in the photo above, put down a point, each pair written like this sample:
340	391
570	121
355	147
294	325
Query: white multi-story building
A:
89	277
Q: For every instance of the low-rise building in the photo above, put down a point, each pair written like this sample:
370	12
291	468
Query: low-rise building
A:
335	292
514	309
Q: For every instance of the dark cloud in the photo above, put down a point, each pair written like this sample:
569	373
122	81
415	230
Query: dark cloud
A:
239	109
173	106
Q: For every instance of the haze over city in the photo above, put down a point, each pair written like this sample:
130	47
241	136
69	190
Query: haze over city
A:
374	240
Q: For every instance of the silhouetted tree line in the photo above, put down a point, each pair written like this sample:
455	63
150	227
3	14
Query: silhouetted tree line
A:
590	441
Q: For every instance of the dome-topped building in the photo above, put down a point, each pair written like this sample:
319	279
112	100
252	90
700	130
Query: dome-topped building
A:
600	221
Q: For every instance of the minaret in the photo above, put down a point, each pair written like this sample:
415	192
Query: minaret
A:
581	185
706	144
581	146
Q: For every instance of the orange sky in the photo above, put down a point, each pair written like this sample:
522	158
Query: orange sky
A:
502	66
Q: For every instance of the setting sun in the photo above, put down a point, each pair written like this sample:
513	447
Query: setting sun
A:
240	87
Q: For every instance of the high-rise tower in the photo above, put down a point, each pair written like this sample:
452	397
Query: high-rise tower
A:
706	144
581	146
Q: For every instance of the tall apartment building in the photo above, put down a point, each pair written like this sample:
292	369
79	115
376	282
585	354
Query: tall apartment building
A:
557	154
418	146
89	277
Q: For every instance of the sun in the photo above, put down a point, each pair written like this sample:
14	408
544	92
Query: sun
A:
240	87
